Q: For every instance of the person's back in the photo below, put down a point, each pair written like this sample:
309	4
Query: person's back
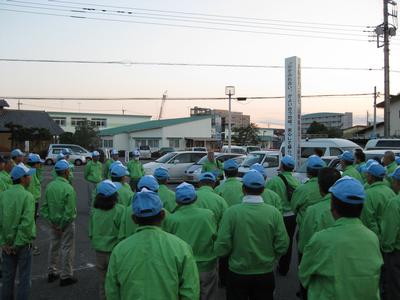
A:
207	198
93	171
125	195
353	172
348	262
167	197
231	188
151	264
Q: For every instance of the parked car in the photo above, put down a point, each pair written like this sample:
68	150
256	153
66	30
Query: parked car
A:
234	149
192	174
176	162
77	158
201	149
301	173
383	144
145	152
269	159
252	148
378	154
78	150
327	147
162	151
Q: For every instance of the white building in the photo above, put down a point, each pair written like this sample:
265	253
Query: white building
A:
394	114
330	120
178	133
68	120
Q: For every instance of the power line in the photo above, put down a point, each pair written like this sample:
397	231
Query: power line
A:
179	98
149	63
186	26
211	15
130	14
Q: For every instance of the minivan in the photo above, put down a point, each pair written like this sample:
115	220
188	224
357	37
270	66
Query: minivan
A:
76	149
386	144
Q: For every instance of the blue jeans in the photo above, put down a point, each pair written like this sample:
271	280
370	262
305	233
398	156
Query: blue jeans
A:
22	259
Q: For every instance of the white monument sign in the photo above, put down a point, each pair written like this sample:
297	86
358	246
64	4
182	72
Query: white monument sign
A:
293	108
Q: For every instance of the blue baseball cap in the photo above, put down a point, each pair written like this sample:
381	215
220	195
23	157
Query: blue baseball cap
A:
315	162
376	170
396	174
66	151
146	204
348	190
363	169
61	165
119	170
207	176
397	159
347	156
115	163
253	179
34	158
185	193
60	156
107	188
161	173
259	168
20	171
136	153
95	153
231	165
113	152
149	182
16	153
288	161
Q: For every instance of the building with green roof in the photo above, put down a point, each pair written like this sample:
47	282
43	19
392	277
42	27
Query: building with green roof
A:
179	133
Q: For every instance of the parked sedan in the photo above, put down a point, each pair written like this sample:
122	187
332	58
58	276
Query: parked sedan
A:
175	162
269	159
192	174
162	151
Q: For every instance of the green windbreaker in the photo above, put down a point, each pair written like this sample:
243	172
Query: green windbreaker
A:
207	198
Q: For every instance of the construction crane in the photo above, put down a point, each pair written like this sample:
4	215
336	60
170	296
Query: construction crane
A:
164	98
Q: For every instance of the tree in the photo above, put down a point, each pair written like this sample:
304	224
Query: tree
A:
67	138
85	135
36	136
317	128
245	135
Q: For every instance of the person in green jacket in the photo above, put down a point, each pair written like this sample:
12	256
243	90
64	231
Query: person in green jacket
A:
166	195
207	198
359	160
390	243
253	234
344	261
151	264
136	170
198	227
93	174
105	221
119	175
59	157
106	169
318	216
308	193
278	185
269	196
347	164
378	195
3	185
5	176
35	187
231	188
389	161
59	210
17	232
213	165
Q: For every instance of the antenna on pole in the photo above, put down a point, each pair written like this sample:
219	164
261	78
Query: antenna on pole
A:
164	98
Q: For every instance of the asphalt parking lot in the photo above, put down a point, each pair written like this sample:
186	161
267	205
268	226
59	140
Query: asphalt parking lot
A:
84	263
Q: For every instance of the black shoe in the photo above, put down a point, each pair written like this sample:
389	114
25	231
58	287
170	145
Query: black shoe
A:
52	277
68	281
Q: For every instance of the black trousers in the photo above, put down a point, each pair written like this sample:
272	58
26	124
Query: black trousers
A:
250	287
284	261
390	276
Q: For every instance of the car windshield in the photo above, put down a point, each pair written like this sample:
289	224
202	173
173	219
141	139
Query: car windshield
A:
163	159
202	160
252	159
351	149
144	148
251	149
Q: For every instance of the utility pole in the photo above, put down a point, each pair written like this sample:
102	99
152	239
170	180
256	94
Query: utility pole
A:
374	128
384	31
19	104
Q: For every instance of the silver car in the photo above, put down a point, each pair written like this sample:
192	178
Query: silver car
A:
269	159
76	158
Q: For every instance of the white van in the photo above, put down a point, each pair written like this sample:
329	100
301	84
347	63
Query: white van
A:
327	147
234	149
386	144
76	149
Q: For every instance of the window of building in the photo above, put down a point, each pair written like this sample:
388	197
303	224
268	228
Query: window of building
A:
152	143
60	121
77	121
174	143
108	144
99	122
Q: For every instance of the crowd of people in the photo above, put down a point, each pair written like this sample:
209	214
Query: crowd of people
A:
237	233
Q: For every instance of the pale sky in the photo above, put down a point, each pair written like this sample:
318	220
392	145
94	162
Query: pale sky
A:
50	37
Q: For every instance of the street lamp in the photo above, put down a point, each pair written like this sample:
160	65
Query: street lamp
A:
230	91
